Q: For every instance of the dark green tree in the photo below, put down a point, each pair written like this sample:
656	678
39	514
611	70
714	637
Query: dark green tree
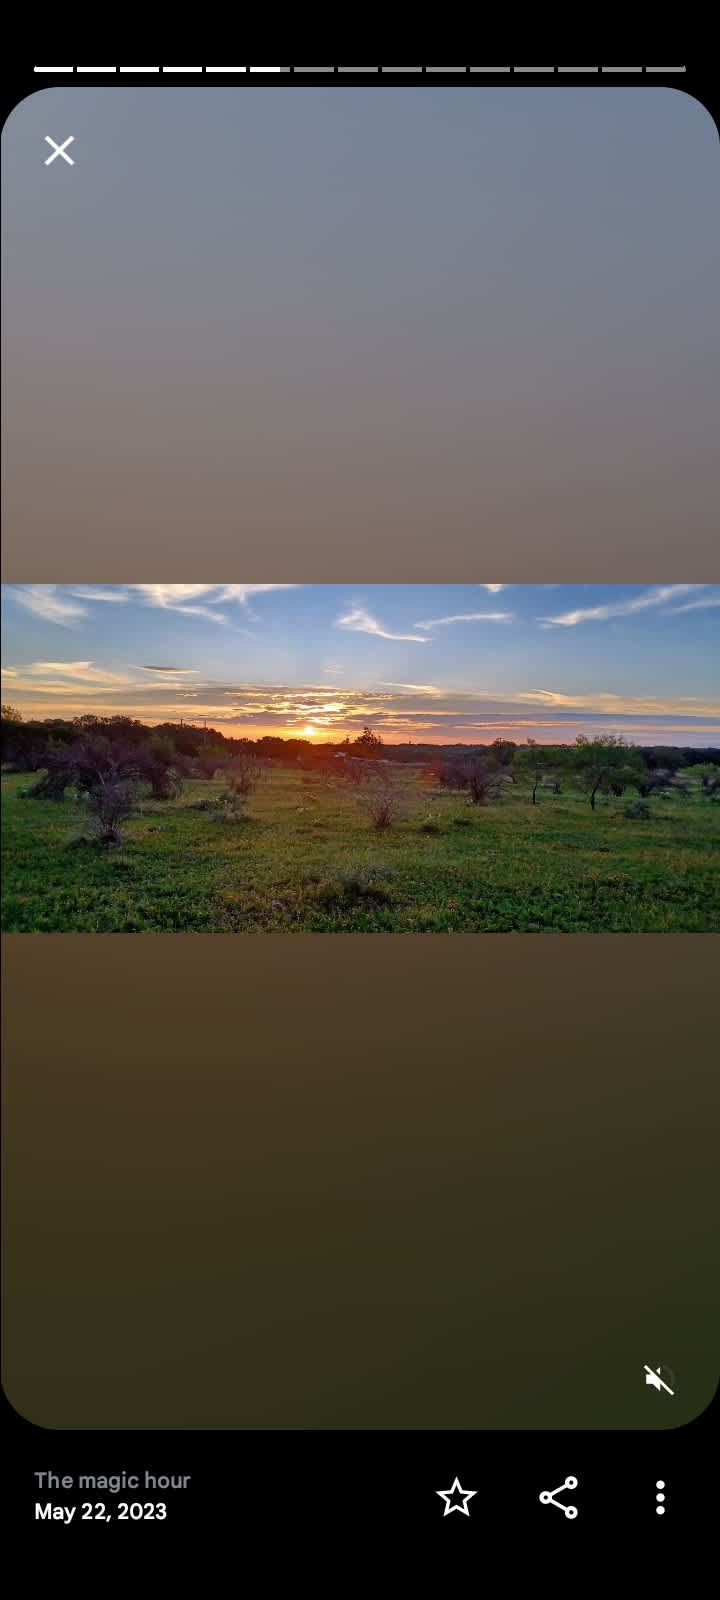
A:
607	759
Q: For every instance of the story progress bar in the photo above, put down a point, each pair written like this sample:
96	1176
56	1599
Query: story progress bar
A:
370	70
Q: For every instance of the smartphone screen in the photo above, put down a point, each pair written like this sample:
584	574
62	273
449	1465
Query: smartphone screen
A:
360	916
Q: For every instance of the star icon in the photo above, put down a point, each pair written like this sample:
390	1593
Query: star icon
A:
456	1499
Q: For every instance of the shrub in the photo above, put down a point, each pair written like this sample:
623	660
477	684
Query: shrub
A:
81	765
229	807
369	744
482	784
480	778
605	761
51	786
111	801
361	884
58	774
638	811
382	806
451	774
652	783
210	760
359	771
165	783
244	775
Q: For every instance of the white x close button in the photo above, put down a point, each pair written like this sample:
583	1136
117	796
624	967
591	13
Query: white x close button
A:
59	150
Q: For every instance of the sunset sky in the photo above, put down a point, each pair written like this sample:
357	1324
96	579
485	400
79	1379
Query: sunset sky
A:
433	663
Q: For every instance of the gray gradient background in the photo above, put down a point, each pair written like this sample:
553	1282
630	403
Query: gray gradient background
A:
362	1182
445	331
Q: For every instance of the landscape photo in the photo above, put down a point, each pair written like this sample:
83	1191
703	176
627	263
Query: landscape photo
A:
419	758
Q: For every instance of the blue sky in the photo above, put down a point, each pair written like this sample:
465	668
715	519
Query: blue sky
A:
433	662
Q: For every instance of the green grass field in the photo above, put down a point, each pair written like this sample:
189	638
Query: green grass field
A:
306	859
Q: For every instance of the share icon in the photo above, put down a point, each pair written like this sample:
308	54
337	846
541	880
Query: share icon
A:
548	1498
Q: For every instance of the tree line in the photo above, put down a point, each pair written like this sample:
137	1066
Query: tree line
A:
102	757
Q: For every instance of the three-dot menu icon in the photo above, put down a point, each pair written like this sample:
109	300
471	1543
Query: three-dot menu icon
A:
660	1497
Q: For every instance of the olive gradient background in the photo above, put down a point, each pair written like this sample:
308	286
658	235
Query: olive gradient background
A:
307	1182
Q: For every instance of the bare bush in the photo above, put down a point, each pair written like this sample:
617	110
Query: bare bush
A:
229	807
480	779
244	775
383	807
482	785
359	771
111	801
451	774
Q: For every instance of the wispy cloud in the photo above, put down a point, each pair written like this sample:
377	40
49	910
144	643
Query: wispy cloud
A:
244	591
79	672
181	597
360	621
466	616
175	597
172	594
623	704
43	601
659	596
174	670
709	603
117	595
200	611
492	588
415	688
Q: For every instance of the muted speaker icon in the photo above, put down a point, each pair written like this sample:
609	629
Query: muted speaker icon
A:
654	1381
